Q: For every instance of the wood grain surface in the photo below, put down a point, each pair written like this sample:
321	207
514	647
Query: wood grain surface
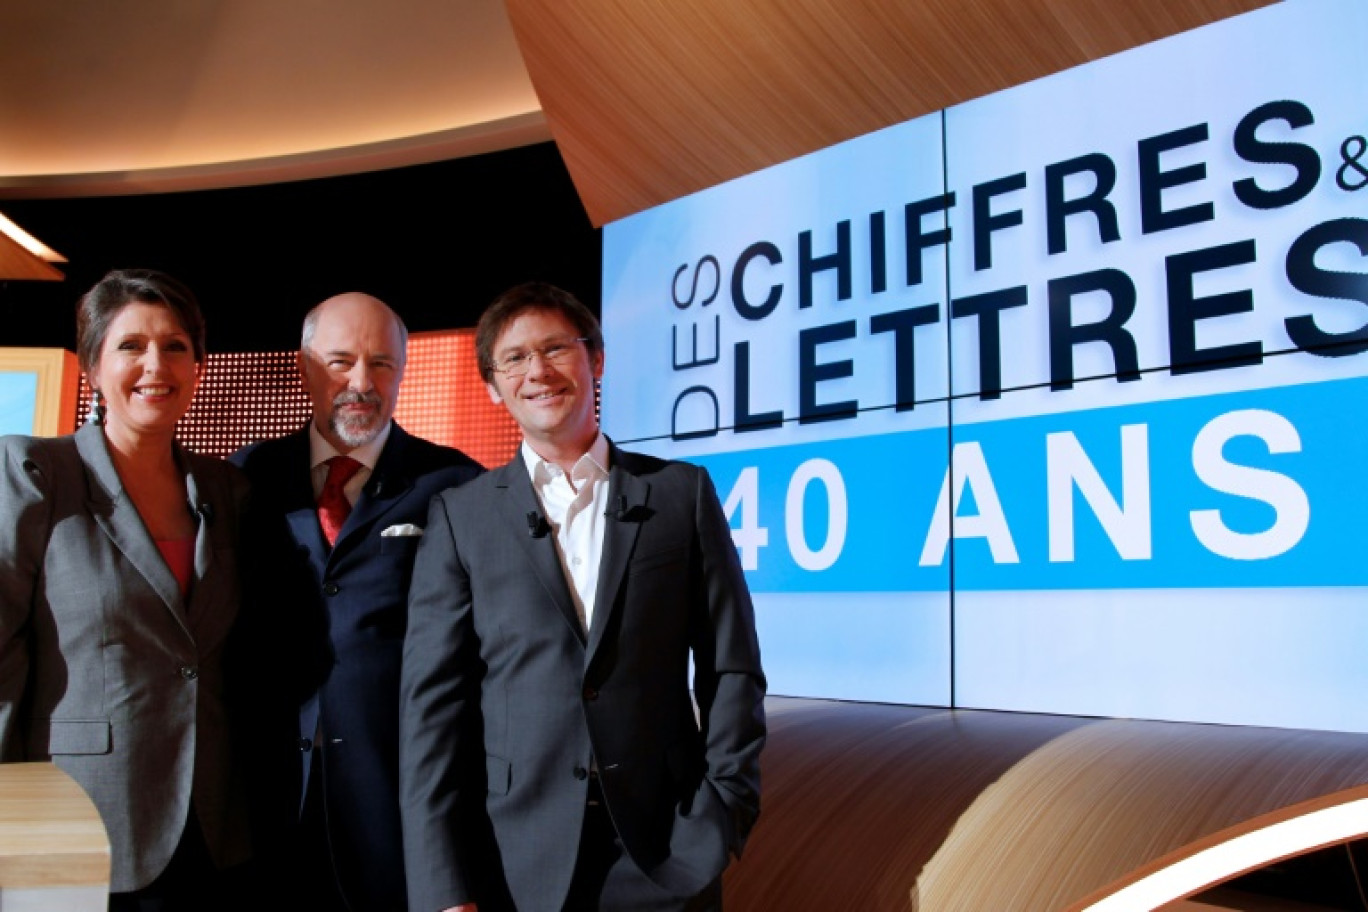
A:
16	262
51	834
916	809
650	100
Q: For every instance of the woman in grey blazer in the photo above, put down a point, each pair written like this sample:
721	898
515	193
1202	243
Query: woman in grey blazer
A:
118	586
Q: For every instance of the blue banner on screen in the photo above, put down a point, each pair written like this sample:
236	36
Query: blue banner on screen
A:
1049	401
1214	491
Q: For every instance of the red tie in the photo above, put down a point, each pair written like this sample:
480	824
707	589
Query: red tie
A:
333	506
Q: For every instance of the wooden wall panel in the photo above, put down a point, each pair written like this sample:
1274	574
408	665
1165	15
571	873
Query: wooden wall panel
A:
1083	815
17	263
650	100
914	809
857	798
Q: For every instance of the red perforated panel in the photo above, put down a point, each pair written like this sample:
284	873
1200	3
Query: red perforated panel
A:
257	395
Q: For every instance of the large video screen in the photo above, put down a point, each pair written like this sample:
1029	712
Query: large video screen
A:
1046	402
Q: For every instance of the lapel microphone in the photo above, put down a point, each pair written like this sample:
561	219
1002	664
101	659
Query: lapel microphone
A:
537	526
620	511
206	513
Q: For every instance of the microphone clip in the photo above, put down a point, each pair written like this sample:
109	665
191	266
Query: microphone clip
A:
621	511
537	526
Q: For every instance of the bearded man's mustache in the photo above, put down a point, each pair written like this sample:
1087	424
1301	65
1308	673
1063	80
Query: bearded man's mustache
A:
350	398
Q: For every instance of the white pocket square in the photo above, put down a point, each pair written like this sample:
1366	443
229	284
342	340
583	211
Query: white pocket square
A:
403	529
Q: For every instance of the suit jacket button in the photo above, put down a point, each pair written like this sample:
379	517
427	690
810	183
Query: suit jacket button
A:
189	672
331	588
581	773
590	694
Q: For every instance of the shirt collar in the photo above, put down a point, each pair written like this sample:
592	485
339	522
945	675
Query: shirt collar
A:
593	462
320	451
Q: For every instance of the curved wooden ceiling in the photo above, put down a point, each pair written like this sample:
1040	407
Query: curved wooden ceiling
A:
647	100
101	98
650	100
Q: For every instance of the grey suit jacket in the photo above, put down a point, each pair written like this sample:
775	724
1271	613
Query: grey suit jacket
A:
506	703
104	669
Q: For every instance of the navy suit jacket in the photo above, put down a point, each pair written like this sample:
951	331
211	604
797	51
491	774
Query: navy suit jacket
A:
508	702
321	637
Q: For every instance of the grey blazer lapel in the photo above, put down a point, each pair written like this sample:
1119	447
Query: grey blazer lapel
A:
208	591
515	500
628	496
204	546
116	515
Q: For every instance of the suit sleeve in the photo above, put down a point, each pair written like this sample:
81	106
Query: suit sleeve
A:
438	694
23	537
729	684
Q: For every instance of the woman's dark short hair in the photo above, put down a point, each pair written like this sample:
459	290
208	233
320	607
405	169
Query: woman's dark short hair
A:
120	287
531	296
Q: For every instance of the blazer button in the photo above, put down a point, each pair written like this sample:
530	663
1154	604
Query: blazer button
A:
590	694
331	588
581	773
189	672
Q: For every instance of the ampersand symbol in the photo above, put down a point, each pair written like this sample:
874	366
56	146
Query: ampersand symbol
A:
1351	150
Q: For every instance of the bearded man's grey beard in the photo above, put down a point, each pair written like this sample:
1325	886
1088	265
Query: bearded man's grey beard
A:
357	430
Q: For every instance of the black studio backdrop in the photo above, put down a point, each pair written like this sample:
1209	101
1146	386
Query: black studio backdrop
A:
437	242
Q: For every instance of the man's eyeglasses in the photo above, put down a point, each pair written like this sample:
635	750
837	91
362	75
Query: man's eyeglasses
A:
517	363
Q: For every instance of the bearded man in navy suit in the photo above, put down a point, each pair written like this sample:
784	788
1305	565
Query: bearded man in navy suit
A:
555	754
321	635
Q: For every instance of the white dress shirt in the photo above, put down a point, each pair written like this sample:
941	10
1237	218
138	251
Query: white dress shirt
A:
574	505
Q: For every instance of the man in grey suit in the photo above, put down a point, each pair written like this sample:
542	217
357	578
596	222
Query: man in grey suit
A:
323	624
552	755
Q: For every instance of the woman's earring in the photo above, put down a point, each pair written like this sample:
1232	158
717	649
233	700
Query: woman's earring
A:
97	408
